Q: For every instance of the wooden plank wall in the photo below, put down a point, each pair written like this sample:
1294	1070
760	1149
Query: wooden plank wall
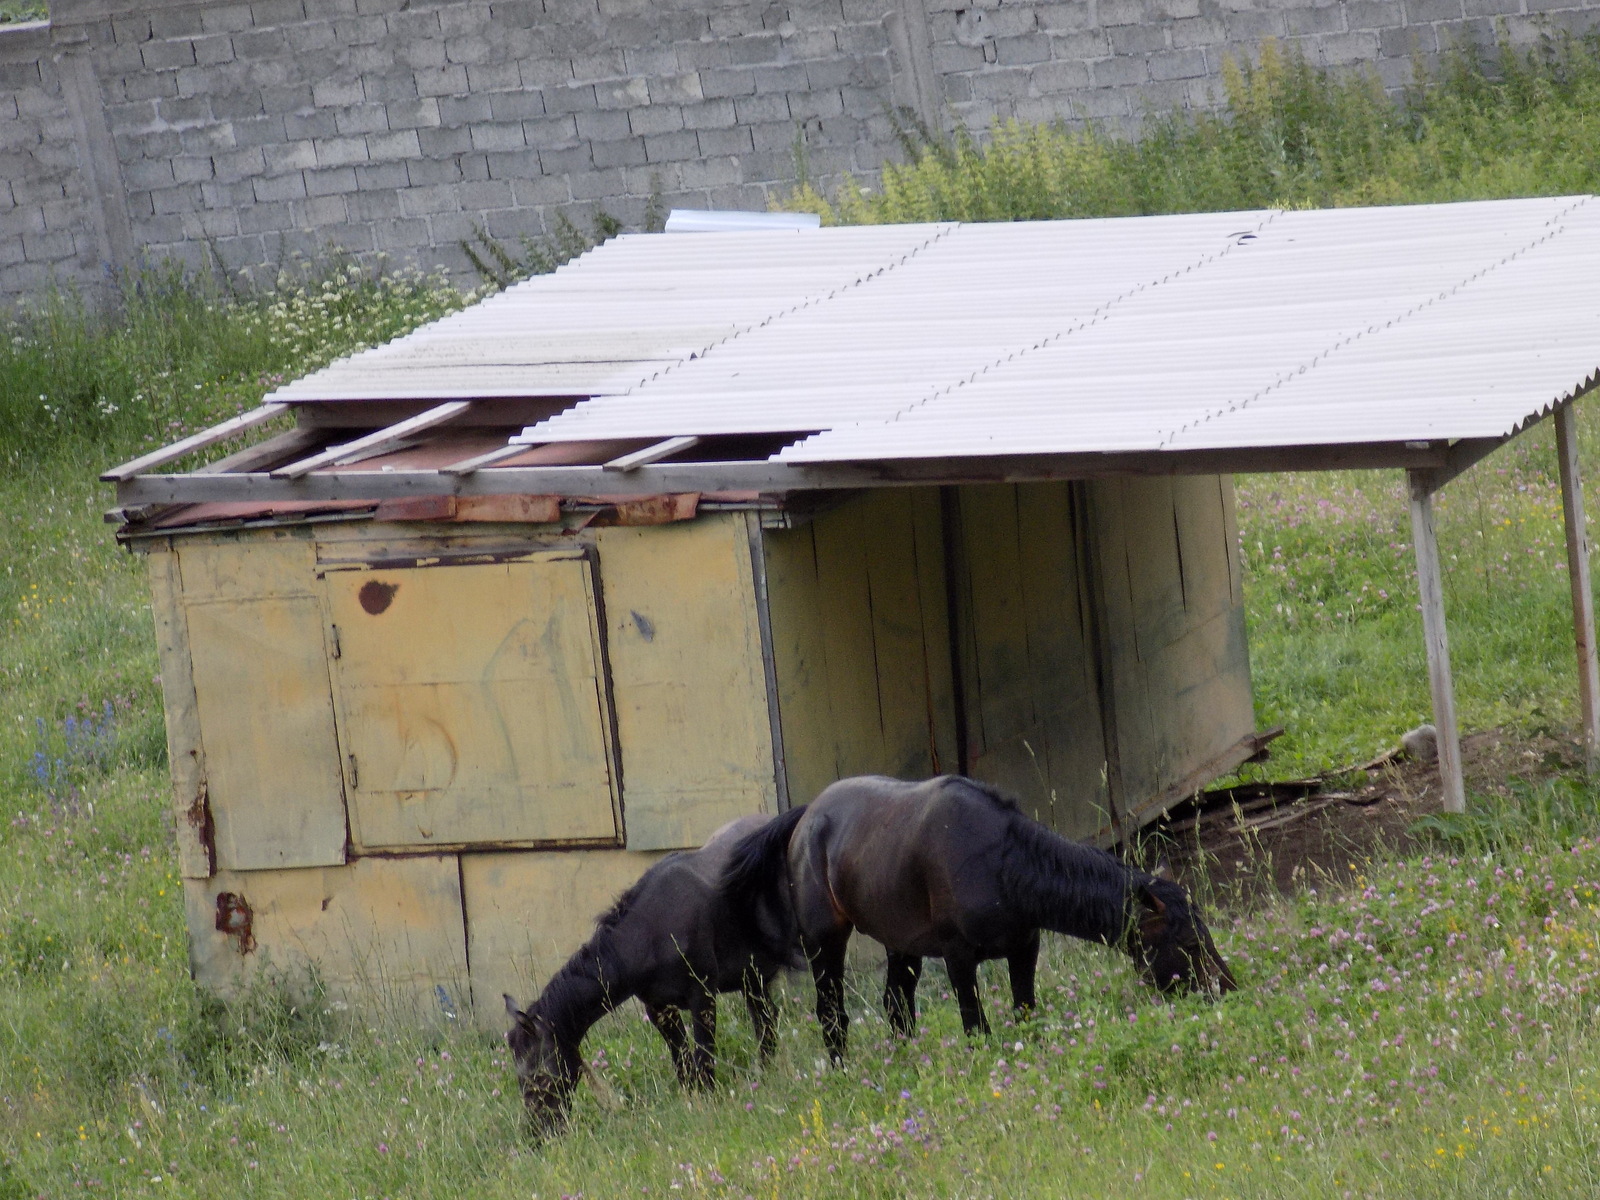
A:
1029	681
861	643
1167	558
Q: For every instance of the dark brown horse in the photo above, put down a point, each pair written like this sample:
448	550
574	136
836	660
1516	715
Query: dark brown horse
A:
672	941
950	869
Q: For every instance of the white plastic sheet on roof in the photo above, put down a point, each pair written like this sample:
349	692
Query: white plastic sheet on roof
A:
1136	334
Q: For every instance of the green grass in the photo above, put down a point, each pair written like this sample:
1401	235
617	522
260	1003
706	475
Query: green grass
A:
1425	1032
13	11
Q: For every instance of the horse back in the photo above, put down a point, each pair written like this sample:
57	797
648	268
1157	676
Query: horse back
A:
907	863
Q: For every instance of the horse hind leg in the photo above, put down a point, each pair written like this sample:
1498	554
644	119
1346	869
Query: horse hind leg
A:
763	1013
963	972
827	971
669	1024
703	1055
1023	963
900	992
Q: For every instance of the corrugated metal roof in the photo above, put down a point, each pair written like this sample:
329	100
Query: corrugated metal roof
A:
1206	331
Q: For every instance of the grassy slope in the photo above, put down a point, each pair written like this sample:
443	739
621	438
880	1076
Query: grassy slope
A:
1426	1034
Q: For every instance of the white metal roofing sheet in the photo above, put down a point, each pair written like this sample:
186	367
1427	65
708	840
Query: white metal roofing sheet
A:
1150	333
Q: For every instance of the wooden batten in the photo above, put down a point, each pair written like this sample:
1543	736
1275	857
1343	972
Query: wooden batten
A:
1578	577
1430	586
683	638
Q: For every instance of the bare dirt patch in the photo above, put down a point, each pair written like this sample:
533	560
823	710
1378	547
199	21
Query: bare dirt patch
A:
1243	844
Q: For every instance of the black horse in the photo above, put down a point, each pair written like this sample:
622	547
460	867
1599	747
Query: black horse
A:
672	941
949	868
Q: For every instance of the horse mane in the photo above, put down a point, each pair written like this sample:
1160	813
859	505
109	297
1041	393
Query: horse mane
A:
1065	885
999	797
623	904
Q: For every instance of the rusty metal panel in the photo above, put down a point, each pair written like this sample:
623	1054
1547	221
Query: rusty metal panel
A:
688	682
185	746
261	691
528	911
384	935
472	703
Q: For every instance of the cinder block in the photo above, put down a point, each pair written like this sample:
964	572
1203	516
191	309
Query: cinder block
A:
225	18
1177	64
1407	40
624	152
420	54
208	51
1316	19
1373	14
538	190
651	61
709	114
449	80
1419	11
753	110
323	210
419	201
790	78
1053	78
1339	49
401	143
182	199
733	81
597	185
573	98
545	72
311	125
676	89
277	12
1198	31
1138	39
1121	12
337	93
1017	51
376	204
422	113
1254	26
142	173
506	136
191	169
427	172
341	151
657	118
472	49
672	147
436	143
464	110
459	19
279	187
603	126
812	106
234	165
1091	44
331	181
483	77
624	93
366	118
714	142
551	133
151	86
754	48
596	65
560	161
317	36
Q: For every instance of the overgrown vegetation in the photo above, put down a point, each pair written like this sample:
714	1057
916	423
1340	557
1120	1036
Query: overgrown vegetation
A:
1425	1031
1519	123
14	12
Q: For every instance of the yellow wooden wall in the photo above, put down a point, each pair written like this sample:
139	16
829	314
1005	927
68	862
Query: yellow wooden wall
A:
1028	653
1173	607
519	696
861	642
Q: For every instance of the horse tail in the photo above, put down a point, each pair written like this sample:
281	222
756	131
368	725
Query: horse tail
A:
1063	886
755	888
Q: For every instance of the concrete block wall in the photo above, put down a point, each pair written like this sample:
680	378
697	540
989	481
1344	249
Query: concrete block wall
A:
251	129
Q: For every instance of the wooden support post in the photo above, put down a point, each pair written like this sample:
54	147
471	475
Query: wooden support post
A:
1578	578
1430	584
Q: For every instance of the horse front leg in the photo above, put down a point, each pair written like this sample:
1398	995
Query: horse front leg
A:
1023	963
703	1056
963	971
827	971
670	1025
900	992
763	1013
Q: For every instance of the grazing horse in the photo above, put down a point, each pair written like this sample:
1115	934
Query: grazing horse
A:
949	868
673	942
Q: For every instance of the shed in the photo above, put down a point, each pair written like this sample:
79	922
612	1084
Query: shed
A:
698	524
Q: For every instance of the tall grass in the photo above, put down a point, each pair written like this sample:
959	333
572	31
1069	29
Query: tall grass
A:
1513	123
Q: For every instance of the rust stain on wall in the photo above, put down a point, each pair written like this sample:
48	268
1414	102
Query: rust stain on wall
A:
235	919
375	595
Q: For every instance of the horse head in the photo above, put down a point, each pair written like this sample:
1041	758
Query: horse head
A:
1171	943
547	1066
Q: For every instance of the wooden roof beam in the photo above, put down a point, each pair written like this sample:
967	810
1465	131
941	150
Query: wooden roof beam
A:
376	441
652	454
468	465
197	441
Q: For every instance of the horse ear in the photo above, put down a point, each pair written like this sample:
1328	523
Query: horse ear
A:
511	1007
1150	900
1163	870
